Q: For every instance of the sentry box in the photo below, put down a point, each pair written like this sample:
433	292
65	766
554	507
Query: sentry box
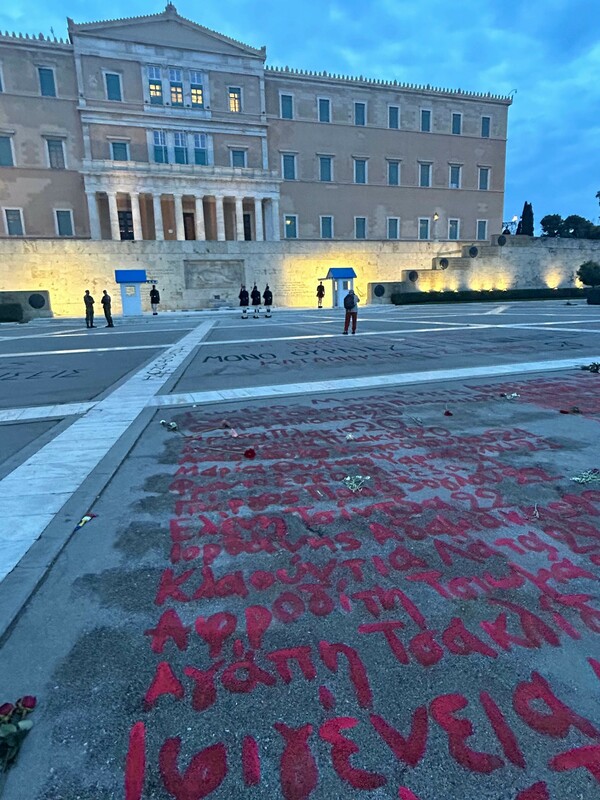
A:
131	281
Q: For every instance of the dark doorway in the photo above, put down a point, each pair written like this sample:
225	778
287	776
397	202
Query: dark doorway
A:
125	225
188	225
247	228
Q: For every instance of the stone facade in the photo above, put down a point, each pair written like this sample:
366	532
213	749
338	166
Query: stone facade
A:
156	128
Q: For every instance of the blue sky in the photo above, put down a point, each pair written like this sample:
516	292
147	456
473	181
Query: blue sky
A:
546	50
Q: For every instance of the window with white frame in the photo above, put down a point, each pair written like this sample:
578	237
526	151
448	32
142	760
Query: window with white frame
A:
64	221
288	166
238	158
393	173
176	86
56	153
423	228
200	149
485	127
14	221
161	154
360	170
175	74
287	106
197	88
455	176
326	168
424	175
393	227
47	82
119	151
180	150
6	151
360	113
454	229
425	120
154	73
235	99
324	106
155	88
484	178
326	227
290	225
482	228
456	124
112	83
360	227
394	117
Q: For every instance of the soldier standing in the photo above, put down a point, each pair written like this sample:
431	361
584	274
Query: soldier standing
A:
320	294
255	295
244	301
268	299
89	309
154	299
106	305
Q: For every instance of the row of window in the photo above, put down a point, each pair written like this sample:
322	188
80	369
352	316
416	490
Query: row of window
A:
55	152
15	226
46	81
326	228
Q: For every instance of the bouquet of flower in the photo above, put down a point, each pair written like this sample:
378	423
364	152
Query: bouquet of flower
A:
14	727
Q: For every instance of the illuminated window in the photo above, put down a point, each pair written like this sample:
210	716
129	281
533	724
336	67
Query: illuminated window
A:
197	93
181	151
326	227
235	99
161	155
454	229
291	226
200	149
156	93
176	94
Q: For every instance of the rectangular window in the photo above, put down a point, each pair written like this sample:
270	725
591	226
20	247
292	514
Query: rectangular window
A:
455	176
119	151
325	168
154	73
456	124
47	85
197	92
291	226
196	76
484	178
64	222
454	229
181	149
485	127
393	173
113	86
326	227
161	155
423	228
56	153
176	93
324	109
360	170
235	99
393	117
1	81
482	225
393	228
14	221
175	74
238	158
425	120
6	153
360	113
156	92
360	227
288	166
287	106
200	149
424	175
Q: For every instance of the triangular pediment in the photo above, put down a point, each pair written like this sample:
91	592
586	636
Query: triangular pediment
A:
167	29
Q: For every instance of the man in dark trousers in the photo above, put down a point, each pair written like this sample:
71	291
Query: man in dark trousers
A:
154	299
106	305
320	294
268	299
244	301
255	295
89	309
351	306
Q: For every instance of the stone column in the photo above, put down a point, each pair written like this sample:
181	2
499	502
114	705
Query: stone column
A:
199	219
159	232
220	218
276	222
258	219
94	217
239	219
136	218
115	230
179	226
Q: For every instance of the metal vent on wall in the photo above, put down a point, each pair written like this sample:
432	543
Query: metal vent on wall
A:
473	251
501	240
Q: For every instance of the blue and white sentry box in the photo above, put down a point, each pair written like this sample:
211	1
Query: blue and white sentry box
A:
343	280
131	281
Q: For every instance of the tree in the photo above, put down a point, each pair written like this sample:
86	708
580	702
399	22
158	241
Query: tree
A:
527	220
551	225
589	273
576	227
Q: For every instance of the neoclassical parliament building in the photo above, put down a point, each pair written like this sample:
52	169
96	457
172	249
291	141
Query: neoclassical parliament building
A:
155	127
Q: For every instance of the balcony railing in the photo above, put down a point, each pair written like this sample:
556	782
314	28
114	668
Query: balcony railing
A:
106	167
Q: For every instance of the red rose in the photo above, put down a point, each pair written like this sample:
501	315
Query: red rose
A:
26	703
250	453
6	712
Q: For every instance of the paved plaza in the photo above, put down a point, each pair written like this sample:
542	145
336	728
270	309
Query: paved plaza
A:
359	566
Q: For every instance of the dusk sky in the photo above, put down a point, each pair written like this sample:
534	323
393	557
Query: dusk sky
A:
546	50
